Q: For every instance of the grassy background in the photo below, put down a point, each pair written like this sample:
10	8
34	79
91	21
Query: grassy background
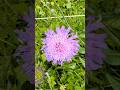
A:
69	76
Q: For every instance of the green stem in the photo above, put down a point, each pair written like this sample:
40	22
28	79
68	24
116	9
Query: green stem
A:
48	82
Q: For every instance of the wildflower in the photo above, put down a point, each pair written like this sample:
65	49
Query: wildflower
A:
95	45
60	46
26	52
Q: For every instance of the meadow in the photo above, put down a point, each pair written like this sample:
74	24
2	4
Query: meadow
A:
48	15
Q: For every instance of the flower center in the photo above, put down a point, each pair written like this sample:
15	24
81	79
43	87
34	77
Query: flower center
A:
59	47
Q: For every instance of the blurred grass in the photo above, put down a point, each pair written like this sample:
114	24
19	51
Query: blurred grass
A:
69	76
68	7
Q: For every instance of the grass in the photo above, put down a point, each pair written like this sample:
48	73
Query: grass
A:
69	76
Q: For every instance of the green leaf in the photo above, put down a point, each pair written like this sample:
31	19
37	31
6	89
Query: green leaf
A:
77	88
21	77
20	9
51	81
69	5
113	59
114	83
82	50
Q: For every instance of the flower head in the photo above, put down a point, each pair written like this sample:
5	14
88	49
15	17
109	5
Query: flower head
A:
26	52
60	46
95	45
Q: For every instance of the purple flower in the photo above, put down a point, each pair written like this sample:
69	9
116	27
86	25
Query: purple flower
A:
26	52
60	45
95	45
